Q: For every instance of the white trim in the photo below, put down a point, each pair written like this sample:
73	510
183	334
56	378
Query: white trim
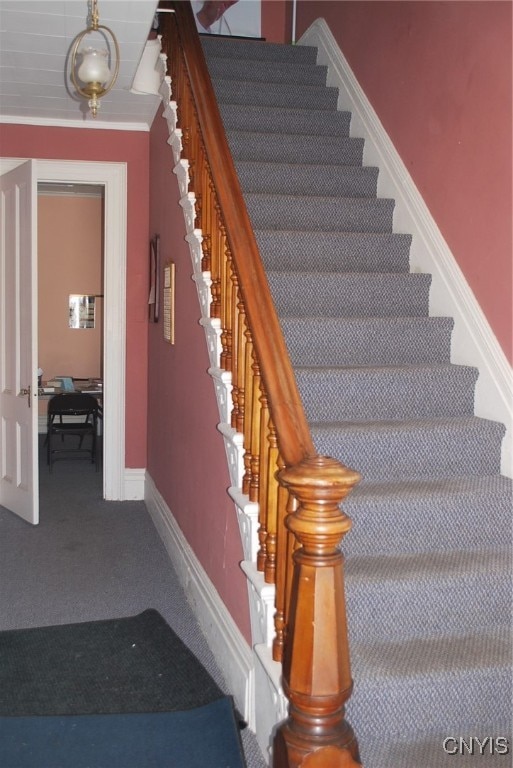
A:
51	122
228	645
134	484
473	341
113	176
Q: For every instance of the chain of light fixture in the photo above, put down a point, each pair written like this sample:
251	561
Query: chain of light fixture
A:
94	72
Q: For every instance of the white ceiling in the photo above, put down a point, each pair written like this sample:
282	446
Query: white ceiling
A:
35	40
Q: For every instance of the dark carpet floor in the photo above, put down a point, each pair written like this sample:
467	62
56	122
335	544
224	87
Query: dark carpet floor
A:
91	559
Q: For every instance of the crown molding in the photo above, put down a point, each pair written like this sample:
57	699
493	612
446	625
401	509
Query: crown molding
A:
84	124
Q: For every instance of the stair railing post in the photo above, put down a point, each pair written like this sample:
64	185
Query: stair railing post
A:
316	668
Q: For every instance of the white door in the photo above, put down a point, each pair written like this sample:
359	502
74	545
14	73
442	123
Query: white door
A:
19	479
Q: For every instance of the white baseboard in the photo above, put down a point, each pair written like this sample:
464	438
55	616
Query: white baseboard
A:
473	341
134	481
232	652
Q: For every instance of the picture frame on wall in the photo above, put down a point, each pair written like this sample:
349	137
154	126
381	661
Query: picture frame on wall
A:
169	302
153	298
234	18
81	311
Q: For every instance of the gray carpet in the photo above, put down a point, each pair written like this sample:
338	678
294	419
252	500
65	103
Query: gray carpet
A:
429	556
90	559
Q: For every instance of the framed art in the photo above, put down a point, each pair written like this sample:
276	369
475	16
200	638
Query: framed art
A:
169	302
153	298
81	311
235	18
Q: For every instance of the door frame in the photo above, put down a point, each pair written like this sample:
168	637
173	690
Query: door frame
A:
113	178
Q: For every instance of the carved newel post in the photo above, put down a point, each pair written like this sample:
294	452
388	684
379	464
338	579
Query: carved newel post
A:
316	669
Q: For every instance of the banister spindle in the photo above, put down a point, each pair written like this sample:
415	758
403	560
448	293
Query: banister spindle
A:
235	345
266	558
287	505
239	423
248	399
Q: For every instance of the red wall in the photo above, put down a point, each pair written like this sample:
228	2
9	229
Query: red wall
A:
130	147
186	455
439	75
276	20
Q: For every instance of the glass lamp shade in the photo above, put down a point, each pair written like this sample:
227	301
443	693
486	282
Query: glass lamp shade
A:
94	67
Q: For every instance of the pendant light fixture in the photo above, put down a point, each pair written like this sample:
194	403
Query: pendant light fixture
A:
91	66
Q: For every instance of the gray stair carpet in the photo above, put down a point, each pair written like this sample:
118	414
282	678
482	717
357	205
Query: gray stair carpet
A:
428	560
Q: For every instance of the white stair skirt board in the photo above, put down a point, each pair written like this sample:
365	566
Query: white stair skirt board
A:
473	341
233	655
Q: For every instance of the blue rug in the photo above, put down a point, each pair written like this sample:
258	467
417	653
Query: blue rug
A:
205	737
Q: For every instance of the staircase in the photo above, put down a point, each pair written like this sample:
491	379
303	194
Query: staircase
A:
428	567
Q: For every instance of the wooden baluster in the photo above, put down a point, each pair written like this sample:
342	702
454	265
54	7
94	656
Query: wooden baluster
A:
215	307
316	670
286	505
235	347
194	161
254	486
206	262
223	289
228	312
197	173
239	423
248	399
266	555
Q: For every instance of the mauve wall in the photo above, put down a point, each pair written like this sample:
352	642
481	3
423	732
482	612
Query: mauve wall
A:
130	147
439	75
186	455
276	20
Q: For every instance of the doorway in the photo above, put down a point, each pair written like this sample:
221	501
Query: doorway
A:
112	177
70	269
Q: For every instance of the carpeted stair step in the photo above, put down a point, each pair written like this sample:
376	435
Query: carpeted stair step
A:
296	148
257	50
460	445
282	120
368	341
346	251
407	689
468	512
336	294
322	213
411	595
302	179
386	393
275	94
266	71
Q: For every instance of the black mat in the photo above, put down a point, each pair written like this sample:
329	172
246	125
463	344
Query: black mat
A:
135	664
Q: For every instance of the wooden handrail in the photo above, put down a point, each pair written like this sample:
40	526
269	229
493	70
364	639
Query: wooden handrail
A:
291	425
299	493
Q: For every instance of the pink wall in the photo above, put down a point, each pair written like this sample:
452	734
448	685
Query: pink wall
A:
277	20
69	250
439	75
130	147
186	456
